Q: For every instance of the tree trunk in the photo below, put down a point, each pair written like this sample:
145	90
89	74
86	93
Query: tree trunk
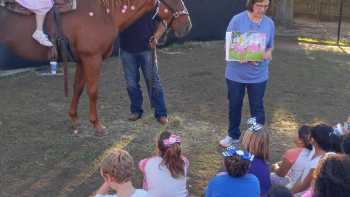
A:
285	12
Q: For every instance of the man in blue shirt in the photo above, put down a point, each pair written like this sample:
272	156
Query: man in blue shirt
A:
252	76
137	51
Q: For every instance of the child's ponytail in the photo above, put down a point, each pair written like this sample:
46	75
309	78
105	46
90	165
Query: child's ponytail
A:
169	146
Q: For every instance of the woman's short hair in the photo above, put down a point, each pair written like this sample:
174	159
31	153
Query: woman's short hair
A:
119	165
250	4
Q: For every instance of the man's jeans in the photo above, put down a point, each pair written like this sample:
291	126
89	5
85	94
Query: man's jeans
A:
147	61
236	91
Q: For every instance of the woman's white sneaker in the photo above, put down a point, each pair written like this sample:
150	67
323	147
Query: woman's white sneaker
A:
228	141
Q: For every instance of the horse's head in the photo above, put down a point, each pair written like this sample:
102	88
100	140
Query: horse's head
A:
125	12
176	15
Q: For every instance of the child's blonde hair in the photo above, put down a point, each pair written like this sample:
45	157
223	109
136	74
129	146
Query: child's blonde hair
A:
118	164
257	142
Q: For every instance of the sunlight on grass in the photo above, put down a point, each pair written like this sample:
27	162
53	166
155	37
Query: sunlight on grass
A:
313	44
94	166
283	127
322	42
318	120
284	122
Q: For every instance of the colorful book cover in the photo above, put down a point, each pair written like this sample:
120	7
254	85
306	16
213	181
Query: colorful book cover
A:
249	46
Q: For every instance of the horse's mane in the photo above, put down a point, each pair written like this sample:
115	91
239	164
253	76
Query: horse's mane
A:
110	4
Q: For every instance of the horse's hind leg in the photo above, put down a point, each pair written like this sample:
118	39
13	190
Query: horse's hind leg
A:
79	84
92	69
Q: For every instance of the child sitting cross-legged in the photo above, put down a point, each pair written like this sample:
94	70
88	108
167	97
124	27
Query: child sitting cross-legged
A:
235	181
165	174
116	170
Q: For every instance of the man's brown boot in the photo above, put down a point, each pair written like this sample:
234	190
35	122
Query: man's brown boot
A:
163	120
134	117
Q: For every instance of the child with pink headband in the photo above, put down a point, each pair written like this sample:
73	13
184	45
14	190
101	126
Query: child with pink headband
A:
165	173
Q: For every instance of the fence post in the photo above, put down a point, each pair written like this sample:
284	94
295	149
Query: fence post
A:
340	20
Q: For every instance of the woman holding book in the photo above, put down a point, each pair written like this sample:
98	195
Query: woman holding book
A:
248	71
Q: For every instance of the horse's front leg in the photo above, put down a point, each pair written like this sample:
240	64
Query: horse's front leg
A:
79	84
92	69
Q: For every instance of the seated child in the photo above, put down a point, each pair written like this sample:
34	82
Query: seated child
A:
256	140
288	171
235	181
116	170
165	173
332	179
321	140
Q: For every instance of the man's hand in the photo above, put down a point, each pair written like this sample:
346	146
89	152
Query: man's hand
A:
153	41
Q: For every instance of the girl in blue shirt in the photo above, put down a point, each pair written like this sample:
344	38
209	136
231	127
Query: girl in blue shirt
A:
236	181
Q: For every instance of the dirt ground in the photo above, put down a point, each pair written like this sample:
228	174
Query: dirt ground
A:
319	29
39	157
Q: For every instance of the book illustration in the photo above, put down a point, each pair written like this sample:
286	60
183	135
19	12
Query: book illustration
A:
249	46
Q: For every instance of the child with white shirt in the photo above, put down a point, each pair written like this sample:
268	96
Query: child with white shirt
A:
116	170
165	174
321	140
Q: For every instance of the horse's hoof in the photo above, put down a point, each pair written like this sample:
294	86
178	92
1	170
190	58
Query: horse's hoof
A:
99	133
100	130
75	123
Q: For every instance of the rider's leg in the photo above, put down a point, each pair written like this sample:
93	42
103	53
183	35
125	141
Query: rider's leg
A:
39	34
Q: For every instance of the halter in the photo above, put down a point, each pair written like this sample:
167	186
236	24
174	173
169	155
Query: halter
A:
175	13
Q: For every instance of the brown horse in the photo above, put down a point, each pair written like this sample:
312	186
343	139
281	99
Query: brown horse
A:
91	30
